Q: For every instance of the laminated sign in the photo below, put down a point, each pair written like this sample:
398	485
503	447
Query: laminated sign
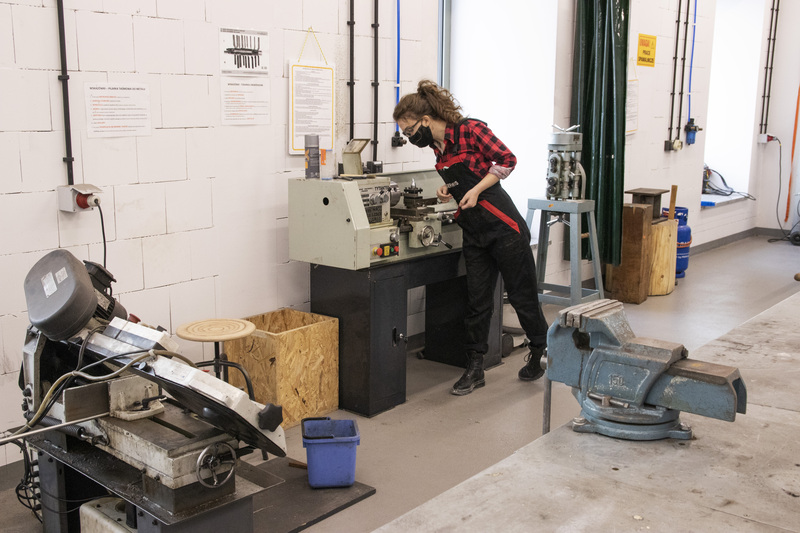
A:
646	55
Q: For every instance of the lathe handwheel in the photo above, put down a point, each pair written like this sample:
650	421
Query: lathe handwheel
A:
426	236
211	459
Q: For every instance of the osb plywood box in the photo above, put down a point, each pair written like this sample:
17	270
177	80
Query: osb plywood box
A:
293	361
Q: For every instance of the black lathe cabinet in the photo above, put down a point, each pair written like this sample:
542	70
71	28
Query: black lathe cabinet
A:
371	305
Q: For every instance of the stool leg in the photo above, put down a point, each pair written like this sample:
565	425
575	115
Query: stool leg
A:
216	360
598	275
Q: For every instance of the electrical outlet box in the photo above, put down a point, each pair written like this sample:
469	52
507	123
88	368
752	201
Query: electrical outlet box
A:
78	197
763	138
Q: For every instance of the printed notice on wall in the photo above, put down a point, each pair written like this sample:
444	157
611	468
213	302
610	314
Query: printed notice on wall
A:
632	107
243	52
117	110
245	100
646	54
311	105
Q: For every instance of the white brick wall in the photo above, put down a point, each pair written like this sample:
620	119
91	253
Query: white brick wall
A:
158	45
161	156
189	205
186	102
164	258
35	44
108	161
201	47
181	9
25	105
42	173
140	210
105	42
6	37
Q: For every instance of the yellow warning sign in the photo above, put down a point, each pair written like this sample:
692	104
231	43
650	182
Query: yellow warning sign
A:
646	55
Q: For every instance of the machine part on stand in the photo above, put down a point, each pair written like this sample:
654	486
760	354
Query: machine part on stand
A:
630	387
565	176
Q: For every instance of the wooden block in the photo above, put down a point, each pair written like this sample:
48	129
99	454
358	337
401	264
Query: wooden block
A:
664	245
293	361
630	281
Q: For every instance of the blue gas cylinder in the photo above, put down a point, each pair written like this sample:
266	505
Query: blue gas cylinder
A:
684	239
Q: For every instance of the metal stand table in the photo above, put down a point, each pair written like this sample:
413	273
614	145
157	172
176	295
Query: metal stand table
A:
371	305
574	208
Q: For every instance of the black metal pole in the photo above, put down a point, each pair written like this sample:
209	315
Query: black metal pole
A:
771	63
761	127
352	83
64	77
375	84
668	145
683	71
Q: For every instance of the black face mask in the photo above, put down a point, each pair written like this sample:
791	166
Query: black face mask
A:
423	138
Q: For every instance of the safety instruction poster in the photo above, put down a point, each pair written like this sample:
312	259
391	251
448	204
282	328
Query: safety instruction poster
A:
646	54
311	105
117	110
245	100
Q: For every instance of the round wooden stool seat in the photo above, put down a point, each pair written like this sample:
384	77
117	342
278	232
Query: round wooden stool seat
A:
215	330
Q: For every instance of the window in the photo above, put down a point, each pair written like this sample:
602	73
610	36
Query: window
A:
733	98
501	67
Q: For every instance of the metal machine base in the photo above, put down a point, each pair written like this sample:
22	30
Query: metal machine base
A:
273	496
674	429
371	306
574	208
70	478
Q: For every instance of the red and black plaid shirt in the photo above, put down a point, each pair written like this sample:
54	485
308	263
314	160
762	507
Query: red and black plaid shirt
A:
477	148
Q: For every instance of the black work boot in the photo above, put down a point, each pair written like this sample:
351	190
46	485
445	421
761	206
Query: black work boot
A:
473	375
533	368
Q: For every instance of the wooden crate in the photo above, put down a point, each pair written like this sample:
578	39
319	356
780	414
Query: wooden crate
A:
664	243
293	361
630	281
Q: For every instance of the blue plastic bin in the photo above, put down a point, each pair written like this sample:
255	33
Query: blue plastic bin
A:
330	451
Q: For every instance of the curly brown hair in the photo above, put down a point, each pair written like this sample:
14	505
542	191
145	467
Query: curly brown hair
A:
431	100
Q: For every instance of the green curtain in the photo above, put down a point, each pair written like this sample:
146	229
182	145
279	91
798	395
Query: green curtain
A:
599	80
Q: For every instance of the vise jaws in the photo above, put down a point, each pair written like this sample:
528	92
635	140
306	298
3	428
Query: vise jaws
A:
630	387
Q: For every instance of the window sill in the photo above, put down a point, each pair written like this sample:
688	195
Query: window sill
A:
715	200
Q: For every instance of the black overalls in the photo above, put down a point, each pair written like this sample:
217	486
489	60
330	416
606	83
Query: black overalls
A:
495	239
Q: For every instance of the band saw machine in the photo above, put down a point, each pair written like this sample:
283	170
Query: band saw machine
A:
119	390
631	387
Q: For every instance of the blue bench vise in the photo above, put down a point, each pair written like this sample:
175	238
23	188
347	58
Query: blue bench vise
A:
630	387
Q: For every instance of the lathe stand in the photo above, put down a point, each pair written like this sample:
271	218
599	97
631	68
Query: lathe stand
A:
371	305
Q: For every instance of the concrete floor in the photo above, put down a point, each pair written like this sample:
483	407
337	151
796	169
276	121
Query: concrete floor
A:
435	441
